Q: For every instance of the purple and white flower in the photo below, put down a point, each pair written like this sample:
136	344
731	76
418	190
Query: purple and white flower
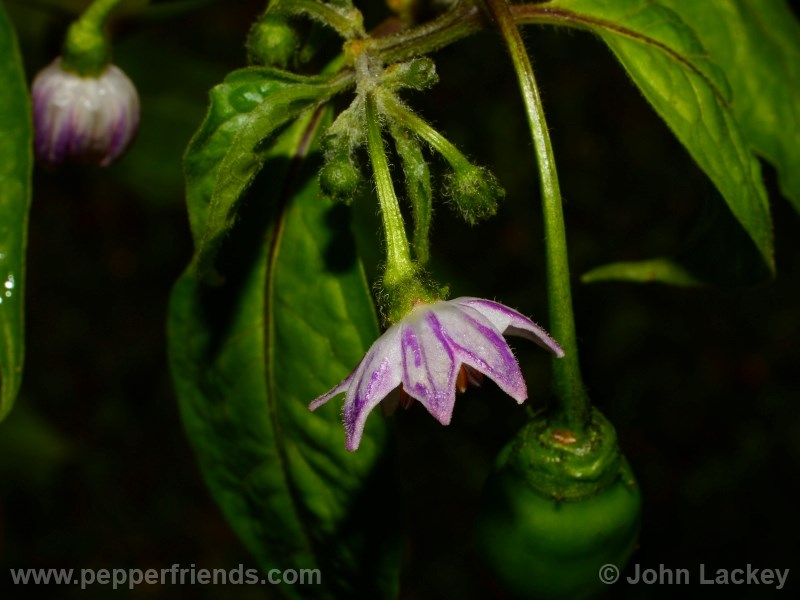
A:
90	119
431	352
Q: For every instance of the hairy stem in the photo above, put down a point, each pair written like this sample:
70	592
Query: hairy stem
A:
399	265
398	111
573	407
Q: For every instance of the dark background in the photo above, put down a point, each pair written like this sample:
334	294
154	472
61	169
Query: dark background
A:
702	385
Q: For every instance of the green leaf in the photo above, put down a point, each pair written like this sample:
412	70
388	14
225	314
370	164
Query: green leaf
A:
757	43
15	191
291	319
672	69
230	147
663	270
717	252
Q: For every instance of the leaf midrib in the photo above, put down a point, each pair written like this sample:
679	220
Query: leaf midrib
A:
546	15
284	198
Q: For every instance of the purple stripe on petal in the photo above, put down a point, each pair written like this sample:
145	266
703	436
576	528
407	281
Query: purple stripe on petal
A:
428	364
365	393
381	380
481	347
412	369
409	343
507	375
61	141
440	368
118	141
378	375
351	383
510	322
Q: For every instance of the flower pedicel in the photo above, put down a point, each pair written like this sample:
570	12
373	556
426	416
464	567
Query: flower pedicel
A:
425	352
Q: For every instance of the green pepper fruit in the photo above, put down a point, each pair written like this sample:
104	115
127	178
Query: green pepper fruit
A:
556	509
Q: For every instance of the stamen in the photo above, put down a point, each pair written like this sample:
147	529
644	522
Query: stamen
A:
462	380
475	377
405	400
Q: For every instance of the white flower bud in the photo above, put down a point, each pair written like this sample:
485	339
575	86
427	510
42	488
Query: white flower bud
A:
86	119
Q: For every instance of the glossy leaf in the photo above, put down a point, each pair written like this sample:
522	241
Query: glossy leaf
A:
673	70
227	152
757	43
291	319
15	190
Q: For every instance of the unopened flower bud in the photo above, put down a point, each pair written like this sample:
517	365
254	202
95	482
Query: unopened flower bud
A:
84	119
339	179
475	192
272	42
417	74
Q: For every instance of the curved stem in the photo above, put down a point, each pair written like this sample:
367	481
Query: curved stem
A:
390	105
573	408
399	265
465	19
99	11
86	50
458	22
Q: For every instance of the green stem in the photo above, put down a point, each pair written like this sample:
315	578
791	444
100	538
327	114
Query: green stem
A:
418	188
86	50
390	105
573	408
399	265
459	22
464	20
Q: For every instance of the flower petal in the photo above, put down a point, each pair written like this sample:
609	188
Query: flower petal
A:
425	352
480	345
377	375
510	322
342	387
429	365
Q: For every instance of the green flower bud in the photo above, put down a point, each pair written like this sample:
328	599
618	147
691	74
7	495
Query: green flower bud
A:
272	42
339	179
474	191
417	74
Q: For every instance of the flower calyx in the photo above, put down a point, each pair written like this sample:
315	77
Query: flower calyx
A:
560	464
